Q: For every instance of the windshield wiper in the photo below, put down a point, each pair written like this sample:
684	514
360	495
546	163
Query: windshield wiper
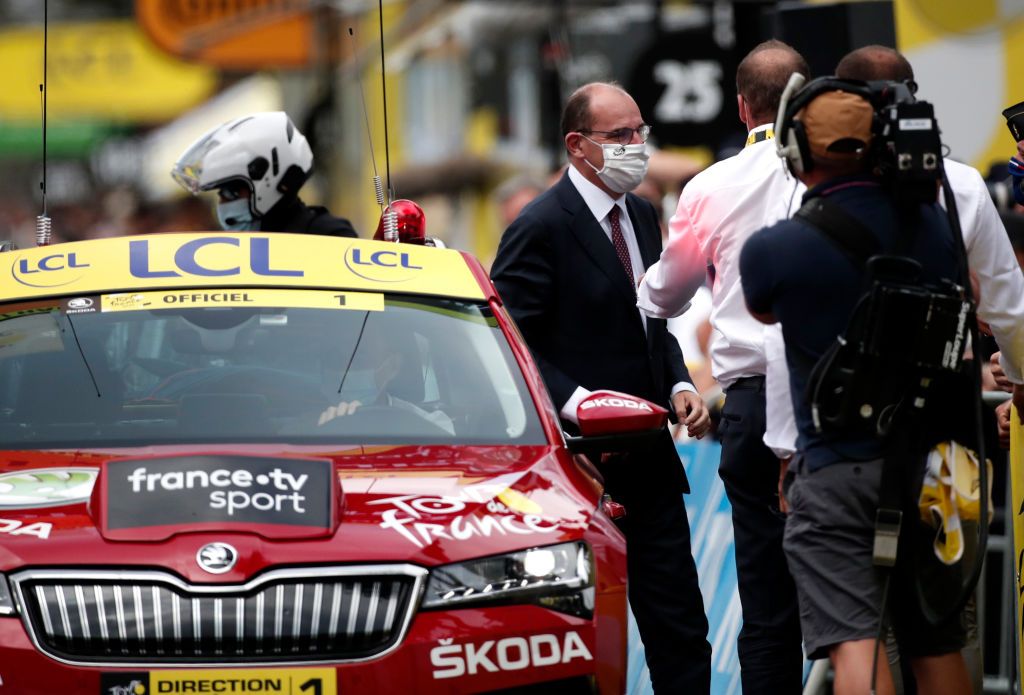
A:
355	348
81	352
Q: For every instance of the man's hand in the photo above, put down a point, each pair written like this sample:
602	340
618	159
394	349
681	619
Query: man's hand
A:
691	411
342	409
999	375
1018	401
783	469
1003	423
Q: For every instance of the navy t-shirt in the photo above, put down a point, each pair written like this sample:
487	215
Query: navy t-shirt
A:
794	272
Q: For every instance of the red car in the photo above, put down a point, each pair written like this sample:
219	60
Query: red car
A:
252	463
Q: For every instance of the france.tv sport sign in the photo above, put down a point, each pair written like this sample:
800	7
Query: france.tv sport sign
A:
217	492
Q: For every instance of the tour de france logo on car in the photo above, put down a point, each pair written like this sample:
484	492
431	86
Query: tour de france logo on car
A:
283	681
54	269
285	497
124	683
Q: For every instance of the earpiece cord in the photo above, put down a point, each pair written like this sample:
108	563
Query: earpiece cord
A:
796	185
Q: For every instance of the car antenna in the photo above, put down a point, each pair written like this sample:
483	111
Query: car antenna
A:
378	184
390	219
44	225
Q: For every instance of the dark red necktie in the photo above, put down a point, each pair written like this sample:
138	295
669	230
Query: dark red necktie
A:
619	242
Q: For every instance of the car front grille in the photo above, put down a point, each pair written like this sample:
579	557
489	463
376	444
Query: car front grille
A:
284	616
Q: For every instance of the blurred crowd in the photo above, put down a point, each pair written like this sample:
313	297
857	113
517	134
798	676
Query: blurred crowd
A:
119	211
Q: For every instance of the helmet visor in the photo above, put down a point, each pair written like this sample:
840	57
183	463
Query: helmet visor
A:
188	170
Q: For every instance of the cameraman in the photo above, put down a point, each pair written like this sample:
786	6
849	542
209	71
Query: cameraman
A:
812	286
989	255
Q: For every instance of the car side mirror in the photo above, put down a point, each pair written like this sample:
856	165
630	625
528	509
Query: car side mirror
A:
611	421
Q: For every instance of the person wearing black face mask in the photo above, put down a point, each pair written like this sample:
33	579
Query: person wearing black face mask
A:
567	269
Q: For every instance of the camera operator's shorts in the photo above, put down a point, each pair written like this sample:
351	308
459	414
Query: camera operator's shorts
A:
829	540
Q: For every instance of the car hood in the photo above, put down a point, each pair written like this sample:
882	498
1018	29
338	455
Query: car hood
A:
160	506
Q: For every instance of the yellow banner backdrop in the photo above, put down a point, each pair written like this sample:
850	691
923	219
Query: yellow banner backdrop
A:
966	56
102	70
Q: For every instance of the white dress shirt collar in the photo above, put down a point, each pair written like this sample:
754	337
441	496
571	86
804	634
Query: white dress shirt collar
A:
599	202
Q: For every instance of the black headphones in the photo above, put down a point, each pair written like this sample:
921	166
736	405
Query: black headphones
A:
790	137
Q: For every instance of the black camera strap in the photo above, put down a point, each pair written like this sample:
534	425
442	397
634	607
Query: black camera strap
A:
856	242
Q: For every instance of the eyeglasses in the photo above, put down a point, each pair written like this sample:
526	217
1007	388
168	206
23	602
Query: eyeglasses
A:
623	136
232	190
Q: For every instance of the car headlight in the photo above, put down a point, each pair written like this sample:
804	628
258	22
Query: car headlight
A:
7	606
559	577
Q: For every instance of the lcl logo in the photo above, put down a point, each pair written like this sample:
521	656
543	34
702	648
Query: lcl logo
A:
48	271
380	266
185	261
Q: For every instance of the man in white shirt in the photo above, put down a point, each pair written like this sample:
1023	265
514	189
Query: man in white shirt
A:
718	210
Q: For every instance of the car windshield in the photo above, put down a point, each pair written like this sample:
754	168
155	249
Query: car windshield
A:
236	365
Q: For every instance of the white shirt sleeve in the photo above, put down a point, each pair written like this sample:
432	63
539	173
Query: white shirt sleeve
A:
990	256
568	411
668	285
780	423
683	386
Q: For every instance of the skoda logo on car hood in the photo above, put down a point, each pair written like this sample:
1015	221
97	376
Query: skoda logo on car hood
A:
217	558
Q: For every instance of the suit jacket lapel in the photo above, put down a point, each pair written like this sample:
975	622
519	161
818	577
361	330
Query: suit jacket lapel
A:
592	238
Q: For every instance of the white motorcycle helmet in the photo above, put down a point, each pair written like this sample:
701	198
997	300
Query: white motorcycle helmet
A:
264	150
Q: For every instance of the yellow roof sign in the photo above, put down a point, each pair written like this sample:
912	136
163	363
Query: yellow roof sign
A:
164	261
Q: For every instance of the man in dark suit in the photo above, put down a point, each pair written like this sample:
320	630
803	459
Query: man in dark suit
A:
567	270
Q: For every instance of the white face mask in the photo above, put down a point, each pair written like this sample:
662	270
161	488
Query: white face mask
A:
624	165
235	216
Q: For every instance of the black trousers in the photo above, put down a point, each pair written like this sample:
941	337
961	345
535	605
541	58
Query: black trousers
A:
663	590
771	660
